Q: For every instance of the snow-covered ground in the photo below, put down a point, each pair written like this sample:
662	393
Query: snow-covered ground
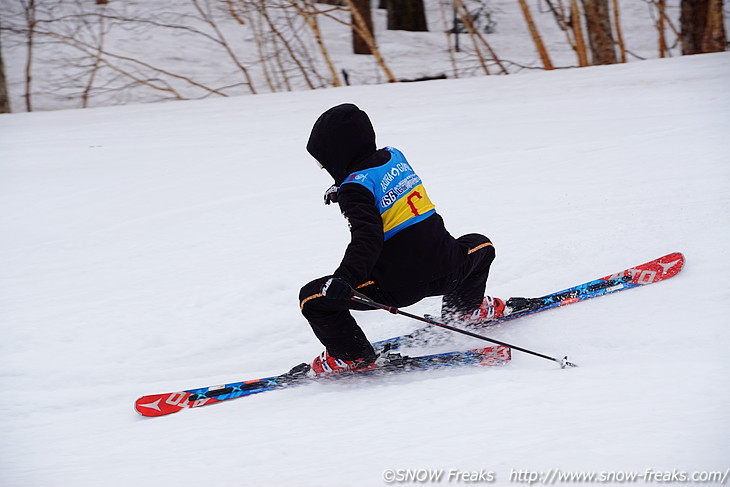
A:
151	248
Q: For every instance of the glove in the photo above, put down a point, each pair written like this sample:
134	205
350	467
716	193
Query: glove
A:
330	196
336	288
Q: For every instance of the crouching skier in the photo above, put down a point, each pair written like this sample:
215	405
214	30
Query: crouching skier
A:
399	252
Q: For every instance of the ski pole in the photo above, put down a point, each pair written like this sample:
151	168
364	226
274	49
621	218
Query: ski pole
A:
361	298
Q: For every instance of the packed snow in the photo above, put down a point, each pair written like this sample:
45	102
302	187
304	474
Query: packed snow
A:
154	248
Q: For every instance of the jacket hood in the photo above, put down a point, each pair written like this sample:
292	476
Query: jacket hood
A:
342	137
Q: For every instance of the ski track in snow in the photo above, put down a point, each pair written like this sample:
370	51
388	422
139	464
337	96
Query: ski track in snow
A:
153	248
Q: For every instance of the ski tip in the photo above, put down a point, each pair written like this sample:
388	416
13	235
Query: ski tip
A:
164	404
656	270
671	264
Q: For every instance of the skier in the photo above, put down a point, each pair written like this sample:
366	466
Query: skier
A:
399	252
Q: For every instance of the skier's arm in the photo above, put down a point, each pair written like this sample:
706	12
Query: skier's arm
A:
366	234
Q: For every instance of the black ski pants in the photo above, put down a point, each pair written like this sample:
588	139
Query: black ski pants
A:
334	326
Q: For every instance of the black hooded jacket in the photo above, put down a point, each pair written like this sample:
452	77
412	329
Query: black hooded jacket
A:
343	141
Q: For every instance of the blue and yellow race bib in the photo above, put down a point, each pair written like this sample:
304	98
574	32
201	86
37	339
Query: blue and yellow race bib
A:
399	193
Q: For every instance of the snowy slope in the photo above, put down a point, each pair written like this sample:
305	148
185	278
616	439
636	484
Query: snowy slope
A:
150	248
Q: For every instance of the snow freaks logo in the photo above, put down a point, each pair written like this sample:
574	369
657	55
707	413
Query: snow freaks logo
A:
428	475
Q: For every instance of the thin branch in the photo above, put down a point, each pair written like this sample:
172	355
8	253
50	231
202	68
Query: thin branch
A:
207	19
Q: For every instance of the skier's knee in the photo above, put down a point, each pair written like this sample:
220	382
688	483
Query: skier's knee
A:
311	291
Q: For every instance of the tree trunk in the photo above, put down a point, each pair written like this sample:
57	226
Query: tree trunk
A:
407	15
662	7
715	36
600	38
30	18
359	44
361	29
580	43
539	45
619	33
702	26
4	101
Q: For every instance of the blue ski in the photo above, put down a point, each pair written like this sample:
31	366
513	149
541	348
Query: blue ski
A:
648	273
172	402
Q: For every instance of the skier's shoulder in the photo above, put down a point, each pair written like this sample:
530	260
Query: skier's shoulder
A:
377	168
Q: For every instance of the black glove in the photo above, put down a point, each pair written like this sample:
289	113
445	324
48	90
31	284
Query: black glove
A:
336	288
